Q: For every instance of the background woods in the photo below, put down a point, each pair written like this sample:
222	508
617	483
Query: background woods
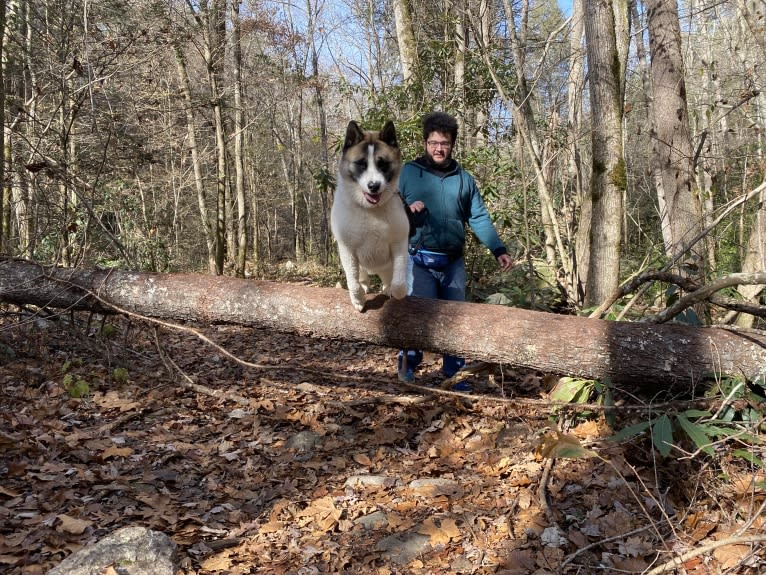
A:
178	136
169	136
620	147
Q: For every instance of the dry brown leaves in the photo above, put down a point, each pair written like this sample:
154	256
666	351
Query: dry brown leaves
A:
338	470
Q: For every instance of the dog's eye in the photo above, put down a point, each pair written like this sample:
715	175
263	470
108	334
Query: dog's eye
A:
361	163
383	164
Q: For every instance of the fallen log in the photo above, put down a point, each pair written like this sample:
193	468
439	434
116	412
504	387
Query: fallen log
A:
640	355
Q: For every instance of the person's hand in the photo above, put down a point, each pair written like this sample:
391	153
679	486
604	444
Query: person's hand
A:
417	206
505	262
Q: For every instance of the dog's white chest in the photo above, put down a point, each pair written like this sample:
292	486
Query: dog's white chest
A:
370	233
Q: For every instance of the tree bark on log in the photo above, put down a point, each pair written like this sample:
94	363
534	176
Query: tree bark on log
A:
638	355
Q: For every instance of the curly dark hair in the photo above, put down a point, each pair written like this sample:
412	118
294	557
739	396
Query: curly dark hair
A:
440	122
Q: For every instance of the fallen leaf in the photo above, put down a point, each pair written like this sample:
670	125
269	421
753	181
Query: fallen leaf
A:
116	452
362	459
440	533
220	562
630	564
72	525
323	513
730	555
555	445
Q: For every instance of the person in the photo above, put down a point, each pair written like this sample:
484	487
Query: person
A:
443	197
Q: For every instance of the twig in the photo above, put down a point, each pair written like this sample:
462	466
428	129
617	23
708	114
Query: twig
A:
705	291
569	558
684	557
188	383
543	497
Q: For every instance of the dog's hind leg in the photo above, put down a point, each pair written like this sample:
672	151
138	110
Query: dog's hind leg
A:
364	280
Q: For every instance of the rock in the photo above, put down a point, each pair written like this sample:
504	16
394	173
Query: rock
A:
375	520
304	441
361	481
401	548
436	486
129	551
552	537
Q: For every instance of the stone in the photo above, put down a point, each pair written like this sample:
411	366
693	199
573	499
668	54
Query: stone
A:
375	520
361	481
401	548
129	551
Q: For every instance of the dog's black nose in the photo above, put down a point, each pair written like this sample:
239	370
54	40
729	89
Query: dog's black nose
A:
373	187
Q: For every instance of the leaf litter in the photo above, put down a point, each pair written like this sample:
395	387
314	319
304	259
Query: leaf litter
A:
321	462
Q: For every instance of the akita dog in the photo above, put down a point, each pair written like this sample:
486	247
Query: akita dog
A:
368	217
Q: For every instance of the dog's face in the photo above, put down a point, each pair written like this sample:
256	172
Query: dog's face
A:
371	162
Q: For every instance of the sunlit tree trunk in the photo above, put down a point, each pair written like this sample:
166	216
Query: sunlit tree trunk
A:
578	202
405	37
525	121
458	67
323	239
214	55
239	135
751	24
755	259
3	136
672	148
199	182
608	178
752	13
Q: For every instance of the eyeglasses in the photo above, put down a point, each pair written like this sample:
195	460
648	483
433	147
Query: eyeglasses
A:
438	144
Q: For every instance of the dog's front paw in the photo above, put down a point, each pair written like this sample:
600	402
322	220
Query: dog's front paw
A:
358	299
398	291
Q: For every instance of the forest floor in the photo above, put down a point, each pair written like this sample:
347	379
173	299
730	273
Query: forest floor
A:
315	459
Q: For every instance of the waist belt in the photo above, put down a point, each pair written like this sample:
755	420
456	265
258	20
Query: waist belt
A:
431	260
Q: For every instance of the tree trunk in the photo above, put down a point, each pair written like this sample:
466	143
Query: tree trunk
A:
2	119
640	355
405	37
673	152
755	260
525	121
578	202
215	57
239	138
608	178
196	161
324	241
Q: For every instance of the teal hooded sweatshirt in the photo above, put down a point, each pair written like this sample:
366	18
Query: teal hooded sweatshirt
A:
452	200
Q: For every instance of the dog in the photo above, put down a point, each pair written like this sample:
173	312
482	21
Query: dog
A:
368	218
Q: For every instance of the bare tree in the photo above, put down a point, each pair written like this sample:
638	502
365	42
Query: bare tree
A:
526	122
239	137
405	36
672	147
609	177
577	201
2	119
196	161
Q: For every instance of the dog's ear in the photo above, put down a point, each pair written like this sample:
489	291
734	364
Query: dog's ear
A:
354	135
388	134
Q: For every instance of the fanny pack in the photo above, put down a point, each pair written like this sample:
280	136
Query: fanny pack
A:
430	260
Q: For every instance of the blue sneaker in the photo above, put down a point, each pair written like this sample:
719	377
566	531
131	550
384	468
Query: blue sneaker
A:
463	386
451	364
408	364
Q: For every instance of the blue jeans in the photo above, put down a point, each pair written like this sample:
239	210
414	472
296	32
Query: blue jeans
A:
447	284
